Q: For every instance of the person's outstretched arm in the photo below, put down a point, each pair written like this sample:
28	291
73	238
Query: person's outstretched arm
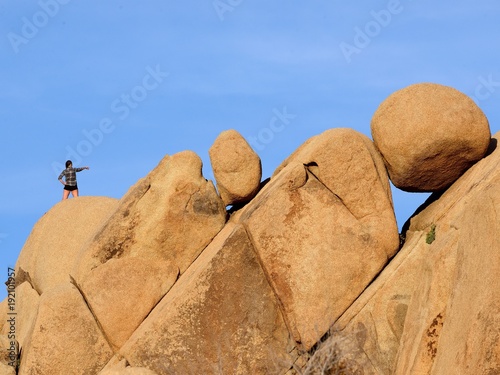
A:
81	169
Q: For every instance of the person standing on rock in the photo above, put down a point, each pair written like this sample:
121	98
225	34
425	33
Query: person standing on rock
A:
69	182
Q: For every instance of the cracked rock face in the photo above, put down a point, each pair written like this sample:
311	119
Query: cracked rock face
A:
160	226
168	217
65	338
435	306
162	284
222	316
323	228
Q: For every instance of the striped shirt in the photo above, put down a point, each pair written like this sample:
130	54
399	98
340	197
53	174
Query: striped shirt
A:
69	175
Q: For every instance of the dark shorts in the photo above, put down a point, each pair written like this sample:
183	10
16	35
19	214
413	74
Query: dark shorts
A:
70	188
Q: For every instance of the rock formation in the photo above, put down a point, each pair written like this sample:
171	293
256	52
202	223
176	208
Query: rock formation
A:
236	167
429	135
307	275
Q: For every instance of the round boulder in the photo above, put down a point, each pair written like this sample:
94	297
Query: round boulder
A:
237	168
429	135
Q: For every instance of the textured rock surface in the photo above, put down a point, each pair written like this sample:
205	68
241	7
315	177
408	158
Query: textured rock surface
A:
26	306
431	310
122	292
161	225
162	284
57	238
348	164
3	314
128	371
323	227
169	216
236	167
6	370
221	316
8	350
429	135
66	339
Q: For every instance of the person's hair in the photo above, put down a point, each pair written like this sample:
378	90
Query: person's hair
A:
68	163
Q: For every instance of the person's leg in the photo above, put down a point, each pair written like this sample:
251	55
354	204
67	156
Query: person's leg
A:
75	193
65	194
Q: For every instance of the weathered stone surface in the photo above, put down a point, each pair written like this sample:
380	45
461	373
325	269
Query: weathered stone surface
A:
26	307
429	135
169	216
470	337
376	321
65	340
430	309
9	350
6	370
161	225
349	165
3	314
221	317
129	371
323	228
122	292
115	363
236	167
56	239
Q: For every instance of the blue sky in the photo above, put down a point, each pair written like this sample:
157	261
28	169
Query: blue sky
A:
116	85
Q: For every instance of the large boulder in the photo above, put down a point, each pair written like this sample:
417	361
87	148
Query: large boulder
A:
57	238
236	167
169	217
429	135
25	309
323	227
431	309
160	226
221	317
66	339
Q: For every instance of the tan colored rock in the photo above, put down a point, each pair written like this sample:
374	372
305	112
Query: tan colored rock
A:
429	134
168	217
431	308
220	317
122	292
129	371
349	165
161	225
25	308
9	350
470	337
3	314
56	239
7	370
236	167
66	340
323	228
115	363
